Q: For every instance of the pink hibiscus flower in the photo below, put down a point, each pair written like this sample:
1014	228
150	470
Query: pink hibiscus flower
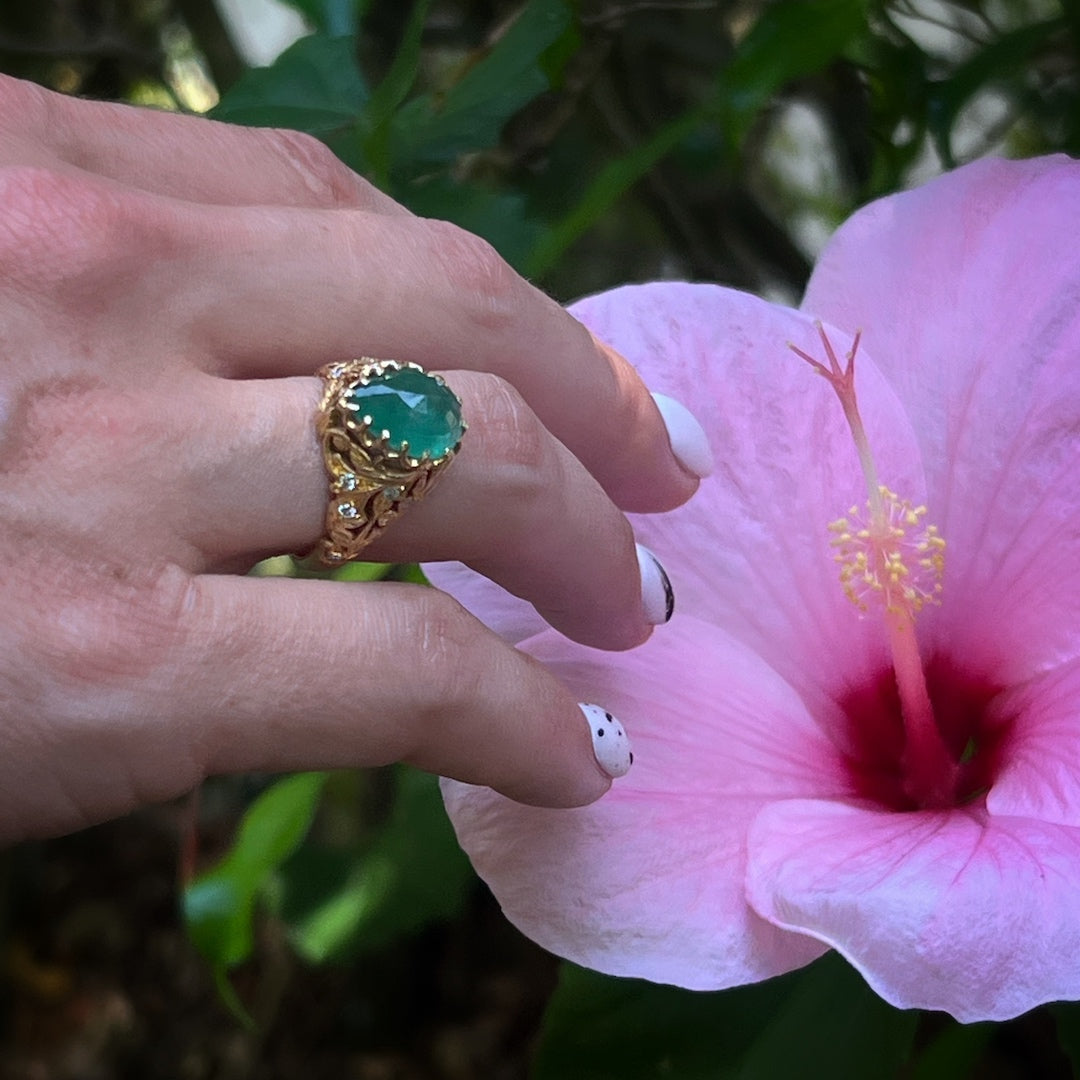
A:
782	800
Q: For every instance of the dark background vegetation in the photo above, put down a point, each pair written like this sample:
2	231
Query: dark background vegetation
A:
327	926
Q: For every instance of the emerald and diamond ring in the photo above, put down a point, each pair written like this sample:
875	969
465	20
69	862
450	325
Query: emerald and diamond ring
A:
387	430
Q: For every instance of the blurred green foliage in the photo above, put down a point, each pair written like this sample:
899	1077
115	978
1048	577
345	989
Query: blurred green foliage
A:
591	142
386	868
598	141
823	1022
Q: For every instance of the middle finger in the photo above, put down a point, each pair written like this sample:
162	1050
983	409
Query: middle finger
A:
283	291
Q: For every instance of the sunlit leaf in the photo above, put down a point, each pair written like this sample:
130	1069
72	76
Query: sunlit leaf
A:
315	86
362	571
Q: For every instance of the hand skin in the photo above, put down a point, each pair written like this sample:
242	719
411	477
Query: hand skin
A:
168	285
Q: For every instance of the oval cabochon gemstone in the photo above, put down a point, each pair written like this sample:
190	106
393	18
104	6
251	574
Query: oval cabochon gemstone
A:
414	408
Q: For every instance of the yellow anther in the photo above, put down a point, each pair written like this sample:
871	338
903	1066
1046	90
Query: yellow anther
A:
881	554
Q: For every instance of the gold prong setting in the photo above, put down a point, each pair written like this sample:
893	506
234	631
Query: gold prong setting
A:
372	473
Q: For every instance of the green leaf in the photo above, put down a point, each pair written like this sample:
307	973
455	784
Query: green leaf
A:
500	217
390	93
336	18
435	130
1002	59
954	1052
219	905
790	40
362	571
410	573
832	1027
338	903
613	181
822	1021
896	77
1066	1015
601	1028
314	86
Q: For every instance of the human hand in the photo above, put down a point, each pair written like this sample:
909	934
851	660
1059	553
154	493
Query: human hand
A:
168	286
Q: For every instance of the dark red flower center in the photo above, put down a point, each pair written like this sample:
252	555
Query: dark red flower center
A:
973	735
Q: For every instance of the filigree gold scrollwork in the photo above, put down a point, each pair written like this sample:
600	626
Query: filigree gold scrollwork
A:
370	480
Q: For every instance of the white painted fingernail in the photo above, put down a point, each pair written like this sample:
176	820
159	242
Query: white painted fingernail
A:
610	743
689	443
657	595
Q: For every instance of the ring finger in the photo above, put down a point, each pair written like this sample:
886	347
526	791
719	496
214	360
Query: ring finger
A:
307	286
515	505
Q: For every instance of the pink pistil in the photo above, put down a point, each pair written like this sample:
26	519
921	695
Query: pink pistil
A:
930	770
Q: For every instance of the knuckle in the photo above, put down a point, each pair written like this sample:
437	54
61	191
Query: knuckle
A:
452	647
73	426
113	627
510	435
24	105
447	628
59	227
478	276
321	173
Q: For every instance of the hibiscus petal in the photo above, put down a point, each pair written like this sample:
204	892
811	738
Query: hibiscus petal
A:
512	618
1040	771
750	552
957	911
968	290
648	882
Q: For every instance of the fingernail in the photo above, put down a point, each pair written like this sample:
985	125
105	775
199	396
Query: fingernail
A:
689	443
610	744
657	595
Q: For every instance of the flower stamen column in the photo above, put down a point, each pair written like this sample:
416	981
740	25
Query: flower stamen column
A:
882	562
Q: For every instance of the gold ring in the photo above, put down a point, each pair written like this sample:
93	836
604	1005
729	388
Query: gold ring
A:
387	430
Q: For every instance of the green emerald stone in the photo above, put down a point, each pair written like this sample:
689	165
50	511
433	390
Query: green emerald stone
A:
414	408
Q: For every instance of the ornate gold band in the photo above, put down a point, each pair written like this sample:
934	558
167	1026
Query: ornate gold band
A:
387	430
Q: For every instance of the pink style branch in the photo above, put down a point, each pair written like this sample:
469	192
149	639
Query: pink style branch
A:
899	781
